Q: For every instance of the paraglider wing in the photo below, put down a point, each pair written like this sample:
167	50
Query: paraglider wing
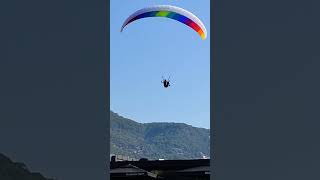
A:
171	12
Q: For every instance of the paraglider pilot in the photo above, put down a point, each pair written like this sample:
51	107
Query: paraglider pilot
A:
166	83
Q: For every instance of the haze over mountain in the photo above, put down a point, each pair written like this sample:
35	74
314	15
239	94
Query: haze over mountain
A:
157	140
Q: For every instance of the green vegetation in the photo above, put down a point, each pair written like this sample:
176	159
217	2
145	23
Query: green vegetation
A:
158	140
16	171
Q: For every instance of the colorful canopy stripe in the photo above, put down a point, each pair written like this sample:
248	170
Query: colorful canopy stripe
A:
171	12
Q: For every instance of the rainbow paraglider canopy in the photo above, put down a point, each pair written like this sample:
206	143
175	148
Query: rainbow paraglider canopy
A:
171	12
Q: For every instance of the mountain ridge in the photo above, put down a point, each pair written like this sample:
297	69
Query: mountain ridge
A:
117	114
157	140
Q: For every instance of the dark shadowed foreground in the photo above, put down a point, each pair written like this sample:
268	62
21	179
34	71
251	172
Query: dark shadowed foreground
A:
10	170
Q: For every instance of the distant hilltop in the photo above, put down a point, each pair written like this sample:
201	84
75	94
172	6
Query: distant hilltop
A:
158	140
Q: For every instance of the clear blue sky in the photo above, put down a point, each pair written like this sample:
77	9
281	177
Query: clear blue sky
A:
152	47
